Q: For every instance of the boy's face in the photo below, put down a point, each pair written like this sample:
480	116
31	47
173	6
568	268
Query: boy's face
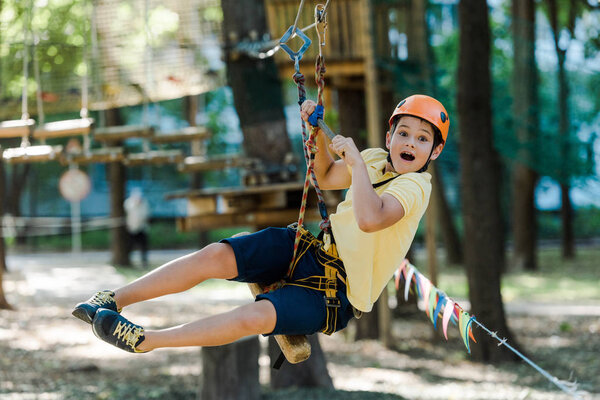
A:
410	144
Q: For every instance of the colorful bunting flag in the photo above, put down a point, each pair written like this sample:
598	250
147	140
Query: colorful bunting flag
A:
448	312
435	302
408	282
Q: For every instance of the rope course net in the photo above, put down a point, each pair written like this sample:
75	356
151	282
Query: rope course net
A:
107	41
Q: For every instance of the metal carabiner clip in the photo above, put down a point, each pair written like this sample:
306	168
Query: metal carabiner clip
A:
321	24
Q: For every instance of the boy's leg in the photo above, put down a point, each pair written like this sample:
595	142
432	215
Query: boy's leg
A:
251	319
216	260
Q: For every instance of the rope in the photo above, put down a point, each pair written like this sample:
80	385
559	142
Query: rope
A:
567	387
310	146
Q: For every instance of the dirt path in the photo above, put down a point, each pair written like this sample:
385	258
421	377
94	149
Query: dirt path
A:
45	353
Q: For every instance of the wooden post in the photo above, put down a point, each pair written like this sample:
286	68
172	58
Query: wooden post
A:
230	372
117	173
374	134
430	241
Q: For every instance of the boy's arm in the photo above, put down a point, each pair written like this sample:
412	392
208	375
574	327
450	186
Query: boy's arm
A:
331	174
372	212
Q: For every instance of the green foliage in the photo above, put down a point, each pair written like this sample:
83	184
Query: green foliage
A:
557	280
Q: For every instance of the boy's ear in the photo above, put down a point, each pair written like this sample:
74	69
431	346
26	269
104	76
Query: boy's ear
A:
388	137
437	151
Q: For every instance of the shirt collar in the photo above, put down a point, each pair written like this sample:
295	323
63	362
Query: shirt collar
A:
379	166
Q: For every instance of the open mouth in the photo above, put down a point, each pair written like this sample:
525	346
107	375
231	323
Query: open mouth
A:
407	156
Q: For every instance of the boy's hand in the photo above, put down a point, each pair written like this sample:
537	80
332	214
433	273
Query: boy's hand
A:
307	108
346	149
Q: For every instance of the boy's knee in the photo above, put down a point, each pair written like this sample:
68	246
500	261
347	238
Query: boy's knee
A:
260	317
222	257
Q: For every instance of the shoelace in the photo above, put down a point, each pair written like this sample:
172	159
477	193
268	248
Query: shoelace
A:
128	333
101	298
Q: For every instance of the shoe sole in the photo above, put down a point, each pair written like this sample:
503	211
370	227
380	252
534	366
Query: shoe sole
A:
82	315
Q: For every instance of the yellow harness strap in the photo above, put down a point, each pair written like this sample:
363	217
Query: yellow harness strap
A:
327	256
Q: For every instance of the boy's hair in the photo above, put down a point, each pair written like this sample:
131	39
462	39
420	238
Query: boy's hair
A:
437	137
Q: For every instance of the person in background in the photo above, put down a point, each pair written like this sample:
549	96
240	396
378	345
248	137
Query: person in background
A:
137	214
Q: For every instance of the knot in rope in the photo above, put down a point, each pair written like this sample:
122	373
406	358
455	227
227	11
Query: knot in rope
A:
299	79
311	146
325	224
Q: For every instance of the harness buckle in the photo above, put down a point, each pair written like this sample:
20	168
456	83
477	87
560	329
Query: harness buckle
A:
332	302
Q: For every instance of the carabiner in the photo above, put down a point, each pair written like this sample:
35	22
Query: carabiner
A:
296	56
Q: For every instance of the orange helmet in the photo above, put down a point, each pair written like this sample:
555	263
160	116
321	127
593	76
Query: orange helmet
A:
424	107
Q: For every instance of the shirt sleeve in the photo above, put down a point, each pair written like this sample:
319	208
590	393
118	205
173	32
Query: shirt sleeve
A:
412	191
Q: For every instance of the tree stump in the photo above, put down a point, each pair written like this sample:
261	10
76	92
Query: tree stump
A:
310	373
230	372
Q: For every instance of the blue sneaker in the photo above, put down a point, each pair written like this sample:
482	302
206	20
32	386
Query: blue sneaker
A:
115	329
87	310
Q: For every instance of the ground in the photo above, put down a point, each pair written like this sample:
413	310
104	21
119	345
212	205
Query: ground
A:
45	353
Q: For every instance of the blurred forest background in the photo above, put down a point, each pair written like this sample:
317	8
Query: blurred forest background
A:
517	189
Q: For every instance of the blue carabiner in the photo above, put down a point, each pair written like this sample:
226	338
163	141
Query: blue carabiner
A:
296	56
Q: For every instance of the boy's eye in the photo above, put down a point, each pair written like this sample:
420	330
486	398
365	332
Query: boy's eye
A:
423	139
402	133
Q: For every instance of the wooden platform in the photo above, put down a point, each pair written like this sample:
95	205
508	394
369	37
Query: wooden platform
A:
208	163
155	157
120	133
266	205
59	129
102	155
188	134
29	154
16	128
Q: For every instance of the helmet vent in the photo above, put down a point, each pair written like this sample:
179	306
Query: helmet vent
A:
443	116
401	103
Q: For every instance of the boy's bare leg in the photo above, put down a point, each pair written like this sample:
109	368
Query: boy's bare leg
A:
252	319
216	260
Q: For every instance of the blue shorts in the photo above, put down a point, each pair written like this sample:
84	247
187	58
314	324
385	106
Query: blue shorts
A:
264	257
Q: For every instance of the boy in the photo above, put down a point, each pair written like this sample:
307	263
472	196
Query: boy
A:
373	228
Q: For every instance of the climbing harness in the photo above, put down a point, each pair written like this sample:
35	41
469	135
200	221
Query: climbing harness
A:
324	246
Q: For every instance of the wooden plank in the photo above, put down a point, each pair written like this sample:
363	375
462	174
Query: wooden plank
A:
201	206
255	218
95	156
205	163
334	68
120	133
154	157
16	128
30	154
59	129
191	133
240	190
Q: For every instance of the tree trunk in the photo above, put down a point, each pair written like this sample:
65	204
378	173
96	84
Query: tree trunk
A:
3	303
525	107
310	373
256	86
230	372
117	177
420	53
367	327
353	121
484	244
450	236
567	236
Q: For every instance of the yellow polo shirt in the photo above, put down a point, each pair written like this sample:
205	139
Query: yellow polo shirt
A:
370	259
